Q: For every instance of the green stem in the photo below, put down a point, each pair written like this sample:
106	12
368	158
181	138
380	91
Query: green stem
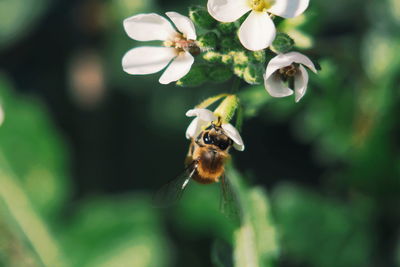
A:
239	118
255	241
24	215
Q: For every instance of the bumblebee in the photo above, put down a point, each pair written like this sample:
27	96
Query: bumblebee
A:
205	163
207	155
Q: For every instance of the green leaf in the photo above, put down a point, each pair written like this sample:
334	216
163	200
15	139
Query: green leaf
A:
319	231
117	231
255	241
17	210
34	150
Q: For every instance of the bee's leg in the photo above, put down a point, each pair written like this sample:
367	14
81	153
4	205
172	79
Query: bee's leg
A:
189	155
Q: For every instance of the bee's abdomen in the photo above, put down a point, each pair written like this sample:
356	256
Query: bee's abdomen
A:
210	167
204	176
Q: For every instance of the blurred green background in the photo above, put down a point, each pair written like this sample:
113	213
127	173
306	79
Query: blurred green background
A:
84	146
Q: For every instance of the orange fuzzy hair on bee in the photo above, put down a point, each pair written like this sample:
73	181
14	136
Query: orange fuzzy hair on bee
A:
210	165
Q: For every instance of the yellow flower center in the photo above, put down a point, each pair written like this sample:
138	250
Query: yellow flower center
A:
261	5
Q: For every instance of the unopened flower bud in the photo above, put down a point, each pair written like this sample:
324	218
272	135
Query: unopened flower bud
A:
212	57
257	56
227	58
227	108
240	58
282	43
253	74
229	44
207	40
199	15
211	100
219	73
238	70
226	28
195	77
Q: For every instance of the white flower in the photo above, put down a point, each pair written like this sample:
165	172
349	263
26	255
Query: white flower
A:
284	67
258	30
177	46
203	118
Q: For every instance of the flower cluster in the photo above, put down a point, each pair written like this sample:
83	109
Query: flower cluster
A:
238	37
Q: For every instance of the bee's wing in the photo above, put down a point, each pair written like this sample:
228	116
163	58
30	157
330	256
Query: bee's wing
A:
229	204
172	191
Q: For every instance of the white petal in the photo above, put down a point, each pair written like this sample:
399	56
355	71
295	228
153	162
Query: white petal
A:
238	147
227	10
233	134
257	31
288	8
202	113
275	86
203	118
276	63
193	128
147	59
178	68
149	27
184	25
300	83
301	59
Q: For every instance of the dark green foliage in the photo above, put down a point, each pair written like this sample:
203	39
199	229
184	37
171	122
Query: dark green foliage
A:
321	231
199	15
219	73
228	28
228	45
253	74
208	40
319	179
257	56
196	76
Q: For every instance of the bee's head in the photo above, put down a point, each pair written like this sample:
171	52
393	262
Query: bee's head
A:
214	136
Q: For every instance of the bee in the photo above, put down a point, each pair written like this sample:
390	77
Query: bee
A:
208	154
205	164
